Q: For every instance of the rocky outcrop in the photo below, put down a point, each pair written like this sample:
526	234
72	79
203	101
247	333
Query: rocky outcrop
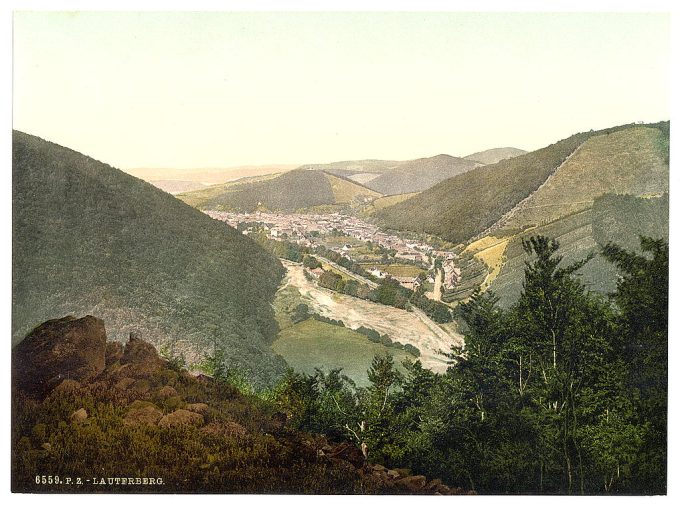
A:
140	353
152	398
67	348
114	352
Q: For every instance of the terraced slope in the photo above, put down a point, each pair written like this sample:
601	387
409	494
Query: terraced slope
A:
90	239
617	218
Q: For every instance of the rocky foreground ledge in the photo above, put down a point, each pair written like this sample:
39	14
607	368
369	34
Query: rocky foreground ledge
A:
77	397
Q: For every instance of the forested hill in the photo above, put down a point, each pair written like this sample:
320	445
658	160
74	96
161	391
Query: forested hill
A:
89	238
461	207
420	174
292	191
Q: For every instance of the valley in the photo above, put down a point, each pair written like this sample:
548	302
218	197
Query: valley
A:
411	327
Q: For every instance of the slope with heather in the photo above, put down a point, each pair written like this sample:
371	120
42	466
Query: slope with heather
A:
88	238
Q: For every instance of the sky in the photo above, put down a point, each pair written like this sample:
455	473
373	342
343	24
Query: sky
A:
201	90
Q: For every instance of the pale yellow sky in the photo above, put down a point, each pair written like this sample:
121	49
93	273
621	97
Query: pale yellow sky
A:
224	89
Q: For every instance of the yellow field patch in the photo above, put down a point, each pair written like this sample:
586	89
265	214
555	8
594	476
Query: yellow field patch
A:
490	250
346	191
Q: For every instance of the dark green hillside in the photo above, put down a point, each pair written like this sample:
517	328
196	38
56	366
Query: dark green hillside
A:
91	239
461	207
613	218
420	174
289	192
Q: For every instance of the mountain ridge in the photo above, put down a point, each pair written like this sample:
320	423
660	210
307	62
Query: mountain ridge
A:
89	238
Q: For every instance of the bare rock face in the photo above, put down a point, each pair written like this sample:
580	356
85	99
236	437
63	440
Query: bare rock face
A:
114	352
67	348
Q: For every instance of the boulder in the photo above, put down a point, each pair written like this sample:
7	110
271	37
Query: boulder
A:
141	354
166	392
67	386
199	408
79	415
181	417
434	484
443	489
142	413
67	348
348	452
393	474
114	352
412	483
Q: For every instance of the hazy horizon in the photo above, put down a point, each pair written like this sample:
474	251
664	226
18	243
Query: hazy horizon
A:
221	90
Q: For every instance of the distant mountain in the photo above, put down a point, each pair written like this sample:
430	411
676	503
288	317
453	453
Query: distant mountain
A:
495	155
177	186
420	174
207	176
390	177
292	191
350	167
88	238
466	205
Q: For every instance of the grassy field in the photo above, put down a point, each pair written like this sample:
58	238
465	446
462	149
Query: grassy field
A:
311	344
491	251
402	269
334	241
384	202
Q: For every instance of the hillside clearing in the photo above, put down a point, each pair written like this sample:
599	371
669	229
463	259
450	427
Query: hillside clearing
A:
313	344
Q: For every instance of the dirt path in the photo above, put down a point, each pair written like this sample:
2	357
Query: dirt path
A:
403	326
